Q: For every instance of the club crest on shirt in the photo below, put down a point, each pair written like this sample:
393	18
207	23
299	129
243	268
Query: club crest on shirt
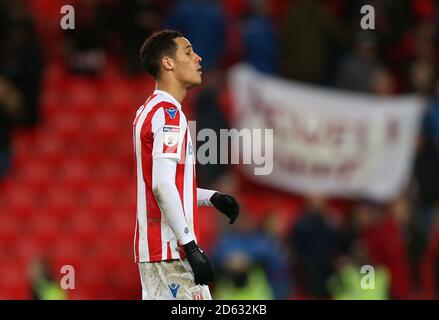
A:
197	294
171	112
171	139
174	289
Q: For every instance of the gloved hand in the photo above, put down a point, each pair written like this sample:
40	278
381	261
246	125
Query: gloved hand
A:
199	262
226	204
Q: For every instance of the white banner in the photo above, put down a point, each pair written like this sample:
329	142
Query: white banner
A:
328	141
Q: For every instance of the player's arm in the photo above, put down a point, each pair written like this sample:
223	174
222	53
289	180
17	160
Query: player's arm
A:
168	132
168	198
224	203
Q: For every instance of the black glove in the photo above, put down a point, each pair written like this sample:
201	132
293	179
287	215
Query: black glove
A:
226	204
199	262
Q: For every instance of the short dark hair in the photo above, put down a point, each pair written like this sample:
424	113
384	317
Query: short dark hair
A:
158	45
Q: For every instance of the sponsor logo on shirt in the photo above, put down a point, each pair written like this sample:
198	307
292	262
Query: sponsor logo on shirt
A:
174	289
171	112
171	129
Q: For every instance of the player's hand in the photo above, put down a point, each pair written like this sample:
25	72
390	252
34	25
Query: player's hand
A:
226	204
199	262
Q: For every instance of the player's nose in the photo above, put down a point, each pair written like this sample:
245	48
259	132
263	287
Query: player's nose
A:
198	58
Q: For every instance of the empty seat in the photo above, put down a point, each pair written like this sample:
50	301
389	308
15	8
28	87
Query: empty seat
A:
14	282
9	229
60	201
20	202
45	229
75	174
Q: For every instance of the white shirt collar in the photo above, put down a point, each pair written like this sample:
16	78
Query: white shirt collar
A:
168	95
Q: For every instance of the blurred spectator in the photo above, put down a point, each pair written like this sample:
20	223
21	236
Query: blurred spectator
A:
427	158
261	248
204	23
349	282
85	44
209	115
413	235
21	61
425	56
356	71
242	279
383	83
421	75
430	262
259	38
310	38
11	108
416	46
385	245
137	20
315	243
44	286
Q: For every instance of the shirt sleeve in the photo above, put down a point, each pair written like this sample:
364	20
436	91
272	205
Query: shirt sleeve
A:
203	197
168	198
168	126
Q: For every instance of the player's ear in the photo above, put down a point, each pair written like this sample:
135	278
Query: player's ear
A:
168	63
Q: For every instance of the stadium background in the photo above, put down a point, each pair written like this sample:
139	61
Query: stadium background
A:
67	190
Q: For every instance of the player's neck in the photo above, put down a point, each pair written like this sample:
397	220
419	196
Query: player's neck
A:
177	91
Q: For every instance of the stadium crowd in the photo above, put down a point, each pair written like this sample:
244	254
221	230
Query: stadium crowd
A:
284	246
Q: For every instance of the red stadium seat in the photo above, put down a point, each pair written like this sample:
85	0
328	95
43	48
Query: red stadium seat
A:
51	149
108	254
35	175
67	251
99	201
14	282
68	127
75	174
81	90
117	92
104	128
28	249
9	229
45	229
21	202
123	225
86	227
90	153
60	201
90	281
112	175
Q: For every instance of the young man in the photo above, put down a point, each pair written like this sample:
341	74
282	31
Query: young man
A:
171	264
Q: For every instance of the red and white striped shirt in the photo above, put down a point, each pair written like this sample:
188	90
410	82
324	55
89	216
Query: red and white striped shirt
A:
160	130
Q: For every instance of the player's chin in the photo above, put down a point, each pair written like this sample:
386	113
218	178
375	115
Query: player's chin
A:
196	82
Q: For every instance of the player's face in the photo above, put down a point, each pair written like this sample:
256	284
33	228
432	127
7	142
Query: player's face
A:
187	63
